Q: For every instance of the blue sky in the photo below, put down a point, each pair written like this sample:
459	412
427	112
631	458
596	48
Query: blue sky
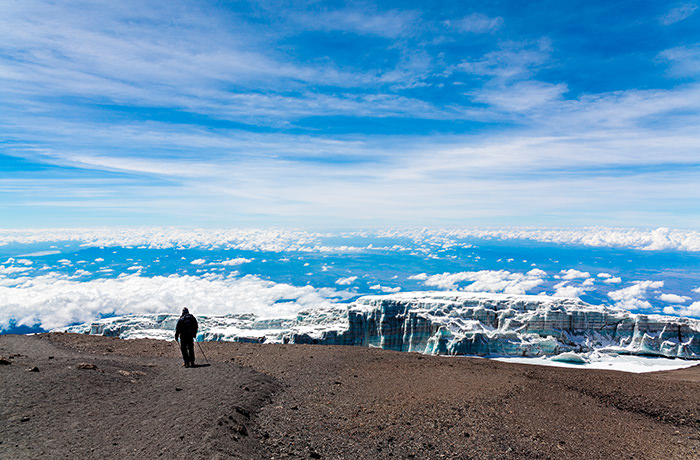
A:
361	114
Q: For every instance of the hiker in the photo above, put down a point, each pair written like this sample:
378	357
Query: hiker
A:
186	332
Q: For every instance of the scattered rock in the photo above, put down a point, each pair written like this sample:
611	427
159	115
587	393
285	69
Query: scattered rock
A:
24	419
33	369
4	361
242	430
314	454
86	366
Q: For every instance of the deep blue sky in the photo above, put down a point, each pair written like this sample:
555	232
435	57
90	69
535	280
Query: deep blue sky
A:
328	114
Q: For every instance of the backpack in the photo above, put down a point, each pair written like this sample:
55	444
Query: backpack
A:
189	325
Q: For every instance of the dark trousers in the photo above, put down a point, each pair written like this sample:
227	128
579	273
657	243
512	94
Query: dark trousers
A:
187	348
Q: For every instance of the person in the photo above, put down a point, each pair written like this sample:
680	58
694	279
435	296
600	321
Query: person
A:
185	333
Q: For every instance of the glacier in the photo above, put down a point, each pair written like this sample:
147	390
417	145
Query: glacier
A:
444	323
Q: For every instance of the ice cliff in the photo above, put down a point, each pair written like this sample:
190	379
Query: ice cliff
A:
446	323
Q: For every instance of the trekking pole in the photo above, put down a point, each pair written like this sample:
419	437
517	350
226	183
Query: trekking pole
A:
200	349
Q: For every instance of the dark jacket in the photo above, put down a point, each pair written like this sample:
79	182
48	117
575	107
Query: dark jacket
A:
186	327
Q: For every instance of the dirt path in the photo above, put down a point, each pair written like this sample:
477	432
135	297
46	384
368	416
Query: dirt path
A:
295	401
141	407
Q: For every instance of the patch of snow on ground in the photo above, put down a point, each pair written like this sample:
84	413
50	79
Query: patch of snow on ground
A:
622	363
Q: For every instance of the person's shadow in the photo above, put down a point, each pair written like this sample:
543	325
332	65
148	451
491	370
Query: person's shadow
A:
201	365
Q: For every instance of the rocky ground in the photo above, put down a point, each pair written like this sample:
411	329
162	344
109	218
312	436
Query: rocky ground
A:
76	396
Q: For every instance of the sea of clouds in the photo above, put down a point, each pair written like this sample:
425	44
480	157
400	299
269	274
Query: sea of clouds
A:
299	240
39	292
55	300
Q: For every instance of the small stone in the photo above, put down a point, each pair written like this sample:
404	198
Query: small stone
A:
314	454
86	366
24	419
4	361
178	389
33	369
243	412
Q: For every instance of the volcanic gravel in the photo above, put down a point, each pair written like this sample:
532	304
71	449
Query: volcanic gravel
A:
78	396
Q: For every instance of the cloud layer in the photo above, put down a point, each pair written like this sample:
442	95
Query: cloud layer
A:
278	240
55	300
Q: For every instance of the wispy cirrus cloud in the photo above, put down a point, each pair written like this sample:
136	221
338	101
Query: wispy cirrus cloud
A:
512	60
684	60
679	13
390	24
477	23
372	112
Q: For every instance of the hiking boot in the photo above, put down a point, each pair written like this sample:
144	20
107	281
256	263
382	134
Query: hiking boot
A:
186	365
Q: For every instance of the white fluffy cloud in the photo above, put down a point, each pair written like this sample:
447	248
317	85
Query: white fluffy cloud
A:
55	300
386	289
572	274
674	298
613	280
230	262
346	281
485	281
635	297
4	270
691	310
564	289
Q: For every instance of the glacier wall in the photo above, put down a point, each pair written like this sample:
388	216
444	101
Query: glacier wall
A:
445	323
